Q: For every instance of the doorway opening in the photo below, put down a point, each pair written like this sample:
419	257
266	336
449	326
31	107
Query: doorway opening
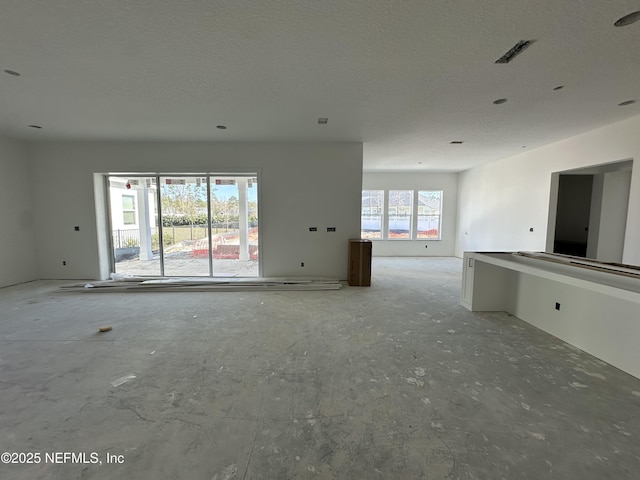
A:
572	214
201	225
588	211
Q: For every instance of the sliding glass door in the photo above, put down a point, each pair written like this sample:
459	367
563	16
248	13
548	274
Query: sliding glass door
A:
134	225
185	225
234	225
183	202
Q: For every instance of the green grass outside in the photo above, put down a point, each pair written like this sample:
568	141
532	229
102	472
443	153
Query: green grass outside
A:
181	233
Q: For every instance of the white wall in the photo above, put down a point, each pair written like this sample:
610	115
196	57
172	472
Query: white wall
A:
615	200
447	182
302	185
498	202
595	210
592	310
602	325
17	244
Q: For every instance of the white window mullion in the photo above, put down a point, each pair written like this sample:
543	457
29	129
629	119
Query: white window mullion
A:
414	218
385	216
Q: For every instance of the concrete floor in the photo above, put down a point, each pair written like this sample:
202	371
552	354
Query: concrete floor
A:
395	381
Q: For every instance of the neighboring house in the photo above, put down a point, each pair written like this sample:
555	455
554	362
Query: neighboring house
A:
126	197
125	204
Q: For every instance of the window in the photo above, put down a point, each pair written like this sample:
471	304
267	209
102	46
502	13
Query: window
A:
371	215
429	213
400	214
128	210
405	215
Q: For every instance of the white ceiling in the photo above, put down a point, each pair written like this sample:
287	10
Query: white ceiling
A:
405	77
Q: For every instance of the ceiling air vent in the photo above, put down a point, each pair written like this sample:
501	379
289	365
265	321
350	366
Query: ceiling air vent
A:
514	51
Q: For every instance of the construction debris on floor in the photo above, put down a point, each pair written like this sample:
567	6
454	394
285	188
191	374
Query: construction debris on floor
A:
190	284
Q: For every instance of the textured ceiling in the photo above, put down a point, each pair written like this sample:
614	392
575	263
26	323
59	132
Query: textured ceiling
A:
405	77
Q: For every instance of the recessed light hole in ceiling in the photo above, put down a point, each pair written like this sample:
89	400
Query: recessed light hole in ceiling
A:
514	51
456	142
632	17
35	126
323	120
559	87
12	72
221	127
626	102
500	101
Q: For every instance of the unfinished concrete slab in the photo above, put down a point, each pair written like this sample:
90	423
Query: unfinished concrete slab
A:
392	381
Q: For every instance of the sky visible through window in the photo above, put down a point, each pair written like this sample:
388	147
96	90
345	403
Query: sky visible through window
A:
224	192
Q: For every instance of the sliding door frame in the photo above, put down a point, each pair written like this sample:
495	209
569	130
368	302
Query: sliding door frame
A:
248	173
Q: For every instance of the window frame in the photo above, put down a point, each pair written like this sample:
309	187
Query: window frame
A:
415	214
439	214
381	214
126	211
411	194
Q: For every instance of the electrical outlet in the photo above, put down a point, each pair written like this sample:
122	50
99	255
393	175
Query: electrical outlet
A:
313	229
331	229
557	306
64	263
302	264
76	228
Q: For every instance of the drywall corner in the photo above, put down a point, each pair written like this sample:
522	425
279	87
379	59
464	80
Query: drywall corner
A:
101	194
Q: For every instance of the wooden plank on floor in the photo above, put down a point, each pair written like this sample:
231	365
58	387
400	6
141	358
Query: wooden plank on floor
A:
206	285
